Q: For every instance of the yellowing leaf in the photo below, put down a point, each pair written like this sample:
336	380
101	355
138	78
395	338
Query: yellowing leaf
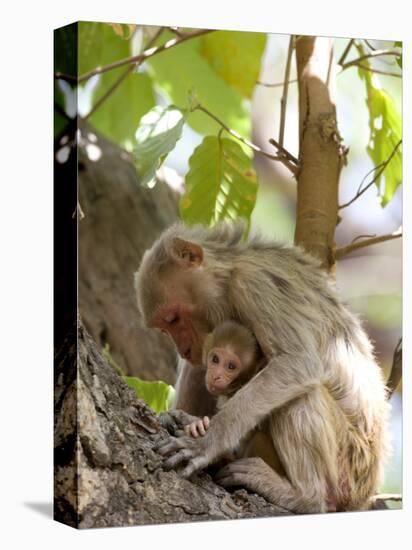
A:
179	70
236	57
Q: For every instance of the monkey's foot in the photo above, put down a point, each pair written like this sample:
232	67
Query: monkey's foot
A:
252	473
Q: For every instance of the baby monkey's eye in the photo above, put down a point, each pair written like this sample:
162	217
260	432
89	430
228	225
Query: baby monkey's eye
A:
215	358
231	366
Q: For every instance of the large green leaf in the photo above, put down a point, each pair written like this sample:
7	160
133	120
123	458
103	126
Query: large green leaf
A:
157	135
96	41
385	134
65	49
119	115
236	57
157	395
221	183
181	69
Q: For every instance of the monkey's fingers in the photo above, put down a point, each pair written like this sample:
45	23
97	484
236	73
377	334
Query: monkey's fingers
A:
168	421
206	422
182	456
201	427
194	465
170	445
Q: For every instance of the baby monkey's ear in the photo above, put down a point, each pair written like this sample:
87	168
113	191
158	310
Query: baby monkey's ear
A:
187	253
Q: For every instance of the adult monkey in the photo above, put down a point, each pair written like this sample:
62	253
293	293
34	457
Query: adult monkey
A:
321	391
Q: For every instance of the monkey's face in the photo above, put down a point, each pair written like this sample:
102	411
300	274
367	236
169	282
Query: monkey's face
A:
223	368
188	330
176	296
182	314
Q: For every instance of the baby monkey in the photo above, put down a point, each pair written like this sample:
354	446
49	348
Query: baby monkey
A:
232	357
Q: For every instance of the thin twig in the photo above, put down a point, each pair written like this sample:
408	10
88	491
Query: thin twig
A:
388	496
380	169
346	51
348	249
362	237
133	59
276	84
371	70
369	45
61	111
122	77
376	53
396	371
284	97
253	146
284	152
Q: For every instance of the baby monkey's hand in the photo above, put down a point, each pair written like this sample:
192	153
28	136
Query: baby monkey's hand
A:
197	427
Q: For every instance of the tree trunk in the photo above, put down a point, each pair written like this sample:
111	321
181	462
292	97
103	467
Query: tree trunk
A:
121	220
106	471
321	154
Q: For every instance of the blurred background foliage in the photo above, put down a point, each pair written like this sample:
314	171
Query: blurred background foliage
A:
183	109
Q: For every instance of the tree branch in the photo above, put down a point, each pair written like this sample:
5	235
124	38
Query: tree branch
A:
61	111
284	98
348	249
122	77
321	154
396	370
135	58
346	51
376	53
380	169
371	70
276	84
253	146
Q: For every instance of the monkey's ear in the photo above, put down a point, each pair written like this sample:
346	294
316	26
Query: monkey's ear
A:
187	253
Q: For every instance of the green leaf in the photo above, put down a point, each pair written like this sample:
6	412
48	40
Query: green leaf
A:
181	69
99	45
236	57
59	121
157	395
385	125
119	116
398	44
65	49
221	183
157	135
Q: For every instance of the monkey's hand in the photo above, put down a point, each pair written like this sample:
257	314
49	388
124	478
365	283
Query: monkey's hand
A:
175	420
191	453
198	427
252	473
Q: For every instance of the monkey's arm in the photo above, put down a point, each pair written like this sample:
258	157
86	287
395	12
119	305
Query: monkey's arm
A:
191	393
284	379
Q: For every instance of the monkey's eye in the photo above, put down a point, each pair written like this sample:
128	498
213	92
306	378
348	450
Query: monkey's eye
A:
215	358
231	366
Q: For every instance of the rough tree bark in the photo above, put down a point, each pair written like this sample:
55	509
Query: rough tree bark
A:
321	154
106	471
121	220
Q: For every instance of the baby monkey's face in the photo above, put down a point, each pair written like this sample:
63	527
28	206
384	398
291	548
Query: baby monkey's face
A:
223	368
